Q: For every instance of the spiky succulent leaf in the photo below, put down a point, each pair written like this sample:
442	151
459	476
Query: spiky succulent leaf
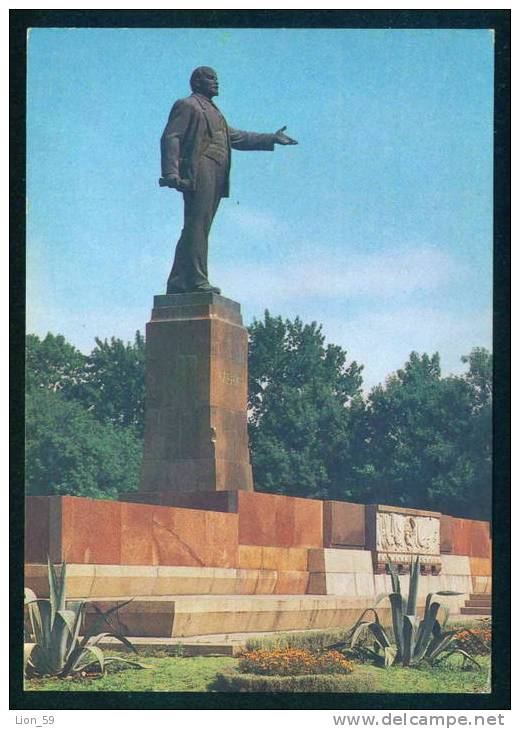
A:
415	574
28	596
394	576
379	634
410	626
358	632
382	596
117	659
103	619
90	655
425	633
79	613
396	601
461	652
447	593
40	615
27	651
441	644
57	587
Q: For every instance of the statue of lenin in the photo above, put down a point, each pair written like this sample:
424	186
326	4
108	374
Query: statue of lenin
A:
195	160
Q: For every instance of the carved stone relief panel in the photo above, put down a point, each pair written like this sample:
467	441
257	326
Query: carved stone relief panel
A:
400	536
409	534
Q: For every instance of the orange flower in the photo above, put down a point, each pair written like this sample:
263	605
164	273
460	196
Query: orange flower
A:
293	661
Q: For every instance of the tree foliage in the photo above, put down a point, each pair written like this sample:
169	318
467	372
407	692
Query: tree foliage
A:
428	438
115	377
68	451
53	364
109	382
420	440
301	394
84	416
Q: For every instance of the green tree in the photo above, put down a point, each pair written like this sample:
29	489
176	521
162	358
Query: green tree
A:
480	376
114	390
427	440
109	382
480	435
54	364
301	398
69	452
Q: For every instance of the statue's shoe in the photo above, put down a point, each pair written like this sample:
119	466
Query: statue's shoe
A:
200	290
207	290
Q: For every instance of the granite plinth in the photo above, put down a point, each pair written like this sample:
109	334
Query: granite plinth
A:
343	524
176	301
196	396
269	520
446	534
264	520
208	500
471	537
273	558
96	531
37	528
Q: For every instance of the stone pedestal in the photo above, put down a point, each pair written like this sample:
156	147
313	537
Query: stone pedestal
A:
196	396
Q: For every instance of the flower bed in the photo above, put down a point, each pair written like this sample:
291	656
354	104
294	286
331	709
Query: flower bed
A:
476	641
293	662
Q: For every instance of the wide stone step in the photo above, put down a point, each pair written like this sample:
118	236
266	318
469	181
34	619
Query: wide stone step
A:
183	615
178	646
476	602
479	610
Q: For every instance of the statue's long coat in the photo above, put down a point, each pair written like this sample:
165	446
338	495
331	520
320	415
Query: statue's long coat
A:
188	134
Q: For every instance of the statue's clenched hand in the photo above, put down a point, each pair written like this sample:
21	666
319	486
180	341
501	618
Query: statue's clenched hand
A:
175	182
281	138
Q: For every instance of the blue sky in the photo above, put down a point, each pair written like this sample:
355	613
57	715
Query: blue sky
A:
378	224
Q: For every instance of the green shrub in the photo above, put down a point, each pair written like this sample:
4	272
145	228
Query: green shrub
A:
314	641
331	683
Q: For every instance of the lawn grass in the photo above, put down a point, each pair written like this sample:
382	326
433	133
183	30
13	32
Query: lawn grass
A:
167	673
163	673
438	680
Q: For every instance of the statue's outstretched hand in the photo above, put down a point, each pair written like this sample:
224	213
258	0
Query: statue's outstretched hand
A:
281	138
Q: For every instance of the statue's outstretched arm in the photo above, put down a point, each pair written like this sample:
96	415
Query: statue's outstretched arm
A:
250	141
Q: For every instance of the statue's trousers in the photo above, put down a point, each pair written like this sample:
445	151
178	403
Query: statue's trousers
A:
190	266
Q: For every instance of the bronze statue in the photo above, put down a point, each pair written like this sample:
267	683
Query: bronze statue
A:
195	160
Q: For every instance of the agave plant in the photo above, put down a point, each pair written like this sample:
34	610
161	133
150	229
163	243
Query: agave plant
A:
416	639
56	624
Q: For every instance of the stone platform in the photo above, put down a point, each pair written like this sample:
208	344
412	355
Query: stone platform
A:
267	564
185	616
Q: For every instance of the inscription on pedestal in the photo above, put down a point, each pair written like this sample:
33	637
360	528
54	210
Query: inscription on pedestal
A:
229	379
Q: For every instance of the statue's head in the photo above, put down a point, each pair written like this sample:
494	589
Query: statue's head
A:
204	81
